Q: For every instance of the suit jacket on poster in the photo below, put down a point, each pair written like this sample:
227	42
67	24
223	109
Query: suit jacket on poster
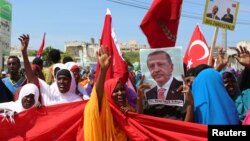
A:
172	93
166	111
210	16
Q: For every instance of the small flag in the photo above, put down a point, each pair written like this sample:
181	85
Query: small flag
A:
40	50
197	52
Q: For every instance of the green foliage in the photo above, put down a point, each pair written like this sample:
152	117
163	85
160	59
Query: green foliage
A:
45	55
32	52
131	56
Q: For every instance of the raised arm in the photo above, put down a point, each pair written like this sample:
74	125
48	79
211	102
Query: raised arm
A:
222	59
104	61
243	56
24	39
185	89
140	97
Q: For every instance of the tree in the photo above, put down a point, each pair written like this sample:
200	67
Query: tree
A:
32	52
131	56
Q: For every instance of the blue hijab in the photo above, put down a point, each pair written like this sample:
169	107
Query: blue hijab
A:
212	104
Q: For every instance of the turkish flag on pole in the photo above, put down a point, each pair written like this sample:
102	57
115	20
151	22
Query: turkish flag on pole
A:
160	24
197	52
118	67
40	50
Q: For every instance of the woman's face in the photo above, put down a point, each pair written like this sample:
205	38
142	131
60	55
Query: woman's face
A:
63	83
230	83
77	76
28	101
119	94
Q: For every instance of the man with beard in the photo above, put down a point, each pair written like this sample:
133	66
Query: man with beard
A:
14	79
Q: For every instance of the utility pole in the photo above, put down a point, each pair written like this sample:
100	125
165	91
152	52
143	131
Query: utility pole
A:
224	38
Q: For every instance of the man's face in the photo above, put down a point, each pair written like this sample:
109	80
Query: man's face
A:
13	66
63	83
215	9
228	10
160	69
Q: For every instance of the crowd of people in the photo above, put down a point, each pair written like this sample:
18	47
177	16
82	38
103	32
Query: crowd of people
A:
210	96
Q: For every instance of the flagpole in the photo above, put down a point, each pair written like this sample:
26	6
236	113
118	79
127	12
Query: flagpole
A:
212	46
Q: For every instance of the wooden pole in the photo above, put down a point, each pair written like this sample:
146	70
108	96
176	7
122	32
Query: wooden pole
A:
212	46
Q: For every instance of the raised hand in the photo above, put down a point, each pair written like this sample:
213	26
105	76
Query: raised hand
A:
142	88
185	89
140	93
222	59
103	58
243	56
24	39
126	109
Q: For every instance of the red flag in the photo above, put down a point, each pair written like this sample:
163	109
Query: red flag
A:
197	52
160	24
64	122
118	67
40	50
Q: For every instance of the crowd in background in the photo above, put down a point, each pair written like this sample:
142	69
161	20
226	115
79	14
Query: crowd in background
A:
213	95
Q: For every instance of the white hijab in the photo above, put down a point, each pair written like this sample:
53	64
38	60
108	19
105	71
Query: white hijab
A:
57	65
17	105
56	97
71	66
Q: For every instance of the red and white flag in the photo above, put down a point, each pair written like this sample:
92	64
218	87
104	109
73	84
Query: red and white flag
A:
160	24
40	50
197	52
118	67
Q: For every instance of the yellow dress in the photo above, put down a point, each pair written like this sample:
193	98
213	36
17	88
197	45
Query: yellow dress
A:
99	126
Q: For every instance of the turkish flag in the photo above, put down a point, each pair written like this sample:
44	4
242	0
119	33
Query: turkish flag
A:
197	52
40	50
160	24
118	66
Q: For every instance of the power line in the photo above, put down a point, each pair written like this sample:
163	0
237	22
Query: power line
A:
184	14
129	4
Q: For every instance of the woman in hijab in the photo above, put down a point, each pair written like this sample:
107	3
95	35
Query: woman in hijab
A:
212	104
64	90
106	96
240	98
56	68
28	97
75	69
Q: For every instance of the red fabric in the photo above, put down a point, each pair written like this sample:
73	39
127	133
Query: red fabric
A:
142	127
197	52
40	50
118	67
58	122
64	122
160	24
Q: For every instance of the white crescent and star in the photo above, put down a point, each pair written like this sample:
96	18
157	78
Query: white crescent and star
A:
203	45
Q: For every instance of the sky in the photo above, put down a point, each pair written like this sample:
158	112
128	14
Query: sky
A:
80	20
